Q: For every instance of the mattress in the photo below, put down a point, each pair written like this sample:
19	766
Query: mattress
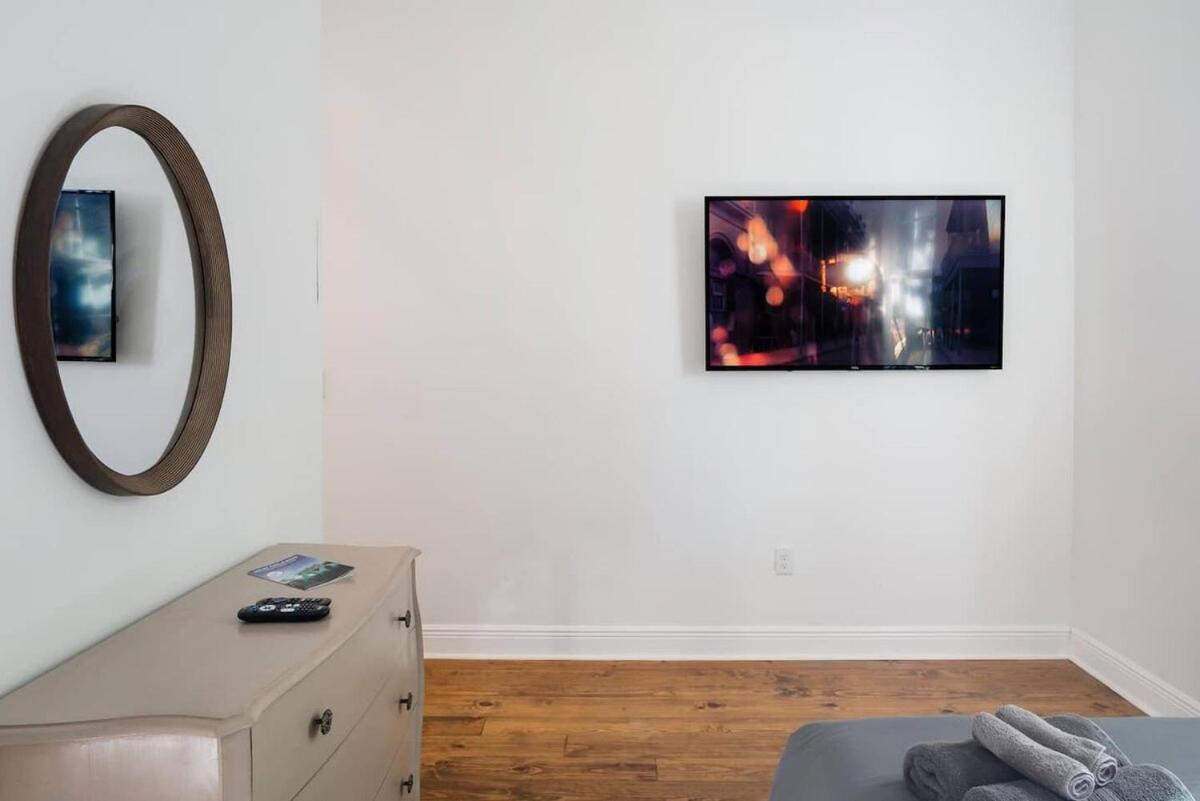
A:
860	760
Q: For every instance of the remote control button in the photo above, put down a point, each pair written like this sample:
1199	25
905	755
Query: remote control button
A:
267	608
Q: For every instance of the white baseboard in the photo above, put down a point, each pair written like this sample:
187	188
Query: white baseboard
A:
1130	680
745	642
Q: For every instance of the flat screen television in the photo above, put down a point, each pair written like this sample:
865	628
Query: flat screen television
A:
82	276
854	282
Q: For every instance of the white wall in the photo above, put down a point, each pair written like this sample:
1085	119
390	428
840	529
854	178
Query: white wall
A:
240	80
512	289
1137	430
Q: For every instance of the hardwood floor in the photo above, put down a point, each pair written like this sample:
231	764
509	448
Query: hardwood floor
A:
689	731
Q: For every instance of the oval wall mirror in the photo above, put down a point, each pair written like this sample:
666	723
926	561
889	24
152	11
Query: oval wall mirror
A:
122	299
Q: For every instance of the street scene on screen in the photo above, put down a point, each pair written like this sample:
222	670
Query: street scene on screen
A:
855	282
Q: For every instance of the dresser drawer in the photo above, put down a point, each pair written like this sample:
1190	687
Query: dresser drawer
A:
288	747
358	767
403	781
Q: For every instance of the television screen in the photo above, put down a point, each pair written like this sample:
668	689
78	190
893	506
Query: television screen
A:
82	255
810	283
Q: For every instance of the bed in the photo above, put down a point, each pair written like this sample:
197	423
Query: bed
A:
860	760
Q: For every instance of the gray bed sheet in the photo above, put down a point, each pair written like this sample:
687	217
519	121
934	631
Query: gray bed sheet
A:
860	760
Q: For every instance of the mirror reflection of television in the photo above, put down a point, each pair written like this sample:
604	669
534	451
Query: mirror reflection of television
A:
82	276
854	282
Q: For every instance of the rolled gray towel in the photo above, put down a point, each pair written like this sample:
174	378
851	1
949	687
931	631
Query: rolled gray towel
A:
946	771
1140	783
1089	752
1077	724
1144	783
1056	772
1023	790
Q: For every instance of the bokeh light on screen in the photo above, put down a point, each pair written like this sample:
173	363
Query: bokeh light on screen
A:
859	270
783	270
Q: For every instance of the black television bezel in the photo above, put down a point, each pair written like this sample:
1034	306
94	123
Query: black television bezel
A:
112	304
720	368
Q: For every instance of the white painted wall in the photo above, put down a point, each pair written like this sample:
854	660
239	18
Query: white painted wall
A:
128	410
1137	430
513	257
240	80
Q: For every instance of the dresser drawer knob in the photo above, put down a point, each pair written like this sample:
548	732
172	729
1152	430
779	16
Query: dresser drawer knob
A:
406	619
324	723
406	701
406	786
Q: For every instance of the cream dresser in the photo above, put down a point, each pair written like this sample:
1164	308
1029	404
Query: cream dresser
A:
190	704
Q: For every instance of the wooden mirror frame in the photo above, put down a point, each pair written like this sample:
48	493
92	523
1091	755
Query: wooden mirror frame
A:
214	303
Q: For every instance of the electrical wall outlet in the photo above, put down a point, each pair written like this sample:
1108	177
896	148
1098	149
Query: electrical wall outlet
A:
785	561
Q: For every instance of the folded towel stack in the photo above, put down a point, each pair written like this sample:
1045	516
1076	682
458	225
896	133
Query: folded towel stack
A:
1081	726
1023	790
1058	772
1090	753
1138	782
1017	756
946	771
1132	783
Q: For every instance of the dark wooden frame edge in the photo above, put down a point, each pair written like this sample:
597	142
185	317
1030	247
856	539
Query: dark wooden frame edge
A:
214	302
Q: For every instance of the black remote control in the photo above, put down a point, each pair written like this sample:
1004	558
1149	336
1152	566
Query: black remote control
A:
285	610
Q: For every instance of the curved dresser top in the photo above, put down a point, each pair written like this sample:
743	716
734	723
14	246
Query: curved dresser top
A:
192	665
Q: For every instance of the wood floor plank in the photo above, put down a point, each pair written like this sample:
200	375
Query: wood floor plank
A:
677	745
531	744
554	790
451	724
754	769
506	768
500	726
690	731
